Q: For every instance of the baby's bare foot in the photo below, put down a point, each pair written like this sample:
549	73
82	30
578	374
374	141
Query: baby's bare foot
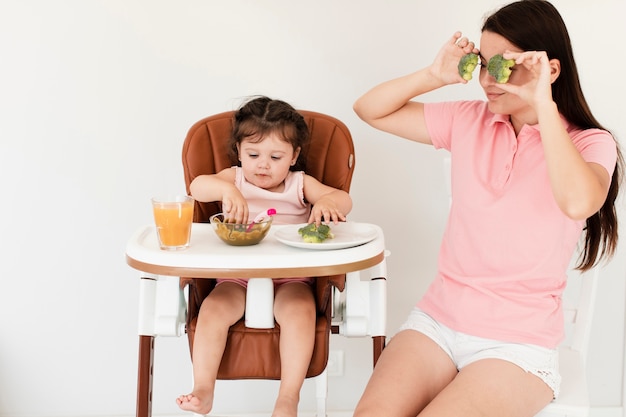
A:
285	407
199	401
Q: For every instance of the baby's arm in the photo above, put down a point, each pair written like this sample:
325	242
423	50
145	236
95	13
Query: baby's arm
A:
329	204
221	187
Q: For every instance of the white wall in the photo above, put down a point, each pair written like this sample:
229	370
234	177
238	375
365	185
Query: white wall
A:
95	100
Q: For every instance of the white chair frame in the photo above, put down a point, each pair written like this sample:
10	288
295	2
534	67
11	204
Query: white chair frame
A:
573	400
358	311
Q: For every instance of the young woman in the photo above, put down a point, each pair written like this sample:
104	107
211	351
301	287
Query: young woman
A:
532	171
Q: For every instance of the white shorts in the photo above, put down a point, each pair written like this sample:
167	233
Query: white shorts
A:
464	349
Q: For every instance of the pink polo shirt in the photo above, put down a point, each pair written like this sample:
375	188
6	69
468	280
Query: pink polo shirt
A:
507	245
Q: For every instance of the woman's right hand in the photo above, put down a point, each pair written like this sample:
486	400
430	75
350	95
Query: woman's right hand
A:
390	106
446	63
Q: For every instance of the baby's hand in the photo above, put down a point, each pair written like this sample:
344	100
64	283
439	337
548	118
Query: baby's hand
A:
235	207
325	210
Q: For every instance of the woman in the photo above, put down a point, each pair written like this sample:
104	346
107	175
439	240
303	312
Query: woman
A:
531	170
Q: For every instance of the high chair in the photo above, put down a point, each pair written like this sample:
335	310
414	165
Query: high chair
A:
352	305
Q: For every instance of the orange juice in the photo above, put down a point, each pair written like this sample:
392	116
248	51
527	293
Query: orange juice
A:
173	220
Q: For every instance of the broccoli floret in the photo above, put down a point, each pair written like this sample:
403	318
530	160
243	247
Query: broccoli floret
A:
315	234
467	64
500	68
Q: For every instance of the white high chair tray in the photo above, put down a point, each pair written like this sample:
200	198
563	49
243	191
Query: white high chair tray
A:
209	257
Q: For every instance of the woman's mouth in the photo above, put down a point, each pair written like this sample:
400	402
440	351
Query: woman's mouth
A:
493	96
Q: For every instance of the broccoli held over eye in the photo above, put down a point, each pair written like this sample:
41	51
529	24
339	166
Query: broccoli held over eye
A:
315	234
467	64
500	68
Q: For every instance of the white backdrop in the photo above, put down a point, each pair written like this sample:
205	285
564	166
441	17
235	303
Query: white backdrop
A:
95	100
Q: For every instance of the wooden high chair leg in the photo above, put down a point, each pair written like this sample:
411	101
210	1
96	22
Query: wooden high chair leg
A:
379	345
144	377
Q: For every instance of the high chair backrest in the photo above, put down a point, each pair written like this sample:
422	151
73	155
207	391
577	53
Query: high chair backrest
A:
330	157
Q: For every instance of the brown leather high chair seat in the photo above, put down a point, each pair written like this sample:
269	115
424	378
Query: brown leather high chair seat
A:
253	353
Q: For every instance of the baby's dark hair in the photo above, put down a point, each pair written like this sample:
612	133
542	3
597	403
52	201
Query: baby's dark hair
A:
261	116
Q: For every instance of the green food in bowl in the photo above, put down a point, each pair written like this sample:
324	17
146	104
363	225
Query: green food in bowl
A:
240	234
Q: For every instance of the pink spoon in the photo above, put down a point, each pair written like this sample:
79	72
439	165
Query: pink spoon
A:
260	217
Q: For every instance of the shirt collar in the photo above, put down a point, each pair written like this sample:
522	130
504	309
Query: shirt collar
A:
502	118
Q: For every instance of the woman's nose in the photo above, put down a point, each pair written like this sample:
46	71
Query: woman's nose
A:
485	78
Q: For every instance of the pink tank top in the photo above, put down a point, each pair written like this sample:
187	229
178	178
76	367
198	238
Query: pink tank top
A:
290	209
289	204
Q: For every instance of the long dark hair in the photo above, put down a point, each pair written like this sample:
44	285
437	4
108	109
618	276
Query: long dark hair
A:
261	116
536	25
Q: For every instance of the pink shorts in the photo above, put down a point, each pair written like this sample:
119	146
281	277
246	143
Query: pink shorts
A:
277	282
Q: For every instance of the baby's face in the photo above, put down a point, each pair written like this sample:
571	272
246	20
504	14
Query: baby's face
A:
266	163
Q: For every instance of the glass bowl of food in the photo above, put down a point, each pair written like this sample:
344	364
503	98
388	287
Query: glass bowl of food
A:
236	234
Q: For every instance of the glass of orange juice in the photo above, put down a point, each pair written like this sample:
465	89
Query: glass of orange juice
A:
173	217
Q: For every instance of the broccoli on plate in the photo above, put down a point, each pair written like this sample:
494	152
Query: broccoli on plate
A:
500	68
315	234
467	64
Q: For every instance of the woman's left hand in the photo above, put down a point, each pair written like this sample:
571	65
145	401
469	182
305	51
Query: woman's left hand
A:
533	83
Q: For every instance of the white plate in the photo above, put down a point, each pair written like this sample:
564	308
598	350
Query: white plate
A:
347	235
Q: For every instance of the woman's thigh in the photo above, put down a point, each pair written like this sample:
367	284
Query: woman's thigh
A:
411	371
491	388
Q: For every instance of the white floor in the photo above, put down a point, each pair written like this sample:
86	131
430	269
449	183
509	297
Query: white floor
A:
595	412
615	411
330	414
